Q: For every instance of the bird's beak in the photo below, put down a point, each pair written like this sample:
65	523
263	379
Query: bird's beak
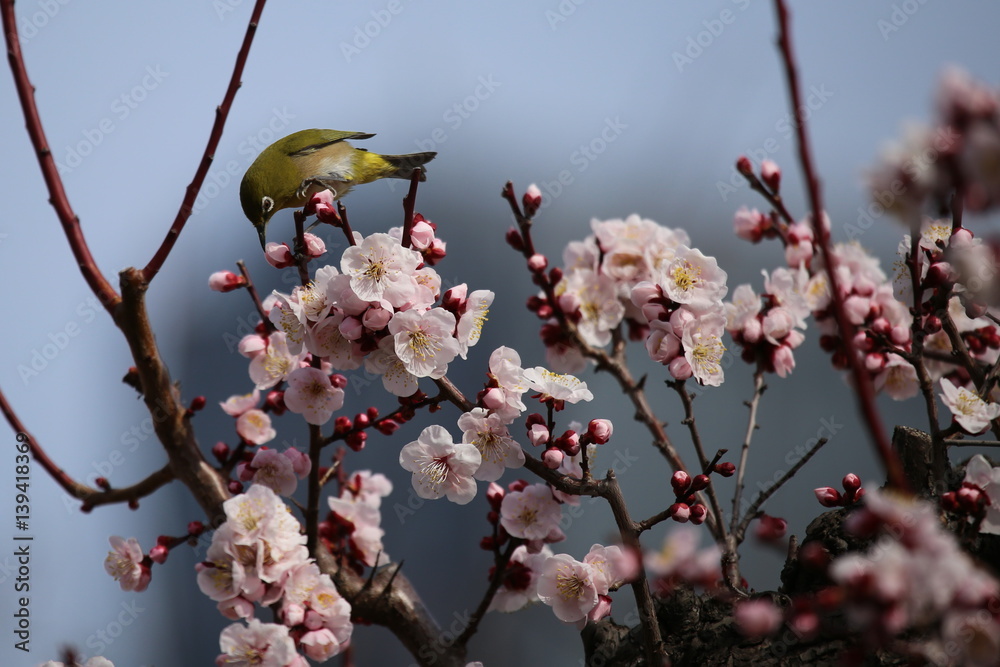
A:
261	231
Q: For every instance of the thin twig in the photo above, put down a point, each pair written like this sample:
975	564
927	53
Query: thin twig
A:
221	113
862	382
758	391
254	296
751	512
409	203
688	402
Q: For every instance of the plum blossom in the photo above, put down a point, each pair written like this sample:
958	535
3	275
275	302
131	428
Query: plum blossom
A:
236	405
531	514
694	279
703	348
490	436
424	341
254	426
568	586
472	319
274	364
311	394
596	298
379	267
757	617
971	412
125	562
506	372
441	467
274	470
358	505
519	586
396	379
557	387
256	645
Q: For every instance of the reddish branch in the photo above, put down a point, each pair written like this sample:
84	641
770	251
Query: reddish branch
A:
90	496
57	194
862	382
221	113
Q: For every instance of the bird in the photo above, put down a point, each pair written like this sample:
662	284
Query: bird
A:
290	171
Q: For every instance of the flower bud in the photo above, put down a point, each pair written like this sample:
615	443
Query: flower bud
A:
771	528
158	554
698	482
314	245
851	482
538	434
553	457
698	514
494	495
278	255
376	318
744	166
770	173
356	440
600	430
726	469
220	451
828	496
351	328
681	482
531	200
225	281
514	239
569	442
679	512
537	263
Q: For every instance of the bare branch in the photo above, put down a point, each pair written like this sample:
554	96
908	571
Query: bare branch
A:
221	114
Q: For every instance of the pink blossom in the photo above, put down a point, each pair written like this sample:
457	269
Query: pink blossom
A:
531	513
278	255
567	586
274	471
255	645
311	394
441	467
254	426
125	563
236	405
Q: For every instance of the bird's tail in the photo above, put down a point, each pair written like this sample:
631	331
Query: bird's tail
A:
402	166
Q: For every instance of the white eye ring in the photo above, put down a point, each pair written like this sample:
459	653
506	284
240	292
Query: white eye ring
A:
266	204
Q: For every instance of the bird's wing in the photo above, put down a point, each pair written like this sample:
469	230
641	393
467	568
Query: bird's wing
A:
329	137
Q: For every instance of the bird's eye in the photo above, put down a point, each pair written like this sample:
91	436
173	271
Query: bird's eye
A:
266	204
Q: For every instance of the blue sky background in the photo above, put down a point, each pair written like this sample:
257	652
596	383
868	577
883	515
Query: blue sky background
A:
502	90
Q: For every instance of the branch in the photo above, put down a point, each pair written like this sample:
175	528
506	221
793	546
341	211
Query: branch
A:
751	513
221	113
90	496
98	284
862	382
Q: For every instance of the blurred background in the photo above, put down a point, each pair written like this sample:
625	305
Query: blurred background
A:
611	108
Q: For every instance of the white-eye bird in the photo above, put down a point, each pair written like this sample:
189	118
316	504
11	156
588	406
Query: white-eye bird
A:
289	171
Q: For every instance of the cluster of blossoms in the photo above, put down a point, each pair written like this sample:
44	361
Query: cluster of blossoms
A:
378	309
258	556
961	150
353	528
915	575
646	275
